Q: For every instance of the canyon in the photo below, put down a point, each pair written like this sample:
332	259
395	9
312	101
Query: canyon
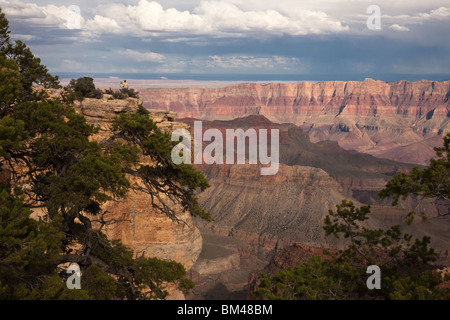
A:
332	142
400	121
266	215
272	212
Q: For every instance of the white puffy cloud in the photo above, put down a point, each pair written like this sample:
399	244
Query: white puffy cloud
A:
221	16
228	18
397	27
101	24
215	18
224	18
441	13
152	17
42	15
142	56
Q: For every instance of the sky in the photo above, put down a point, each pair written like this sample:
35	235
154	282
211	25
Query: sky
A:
317	39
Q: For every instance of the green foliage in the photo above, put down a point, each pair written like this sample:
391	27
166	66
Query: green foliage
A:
84	88
178	182
430	182
316	279
142	110
21	72
375	246
10	83
417	287
123	93
153	273
28	248
406	272
4	30
12	135
31	71
48	148
98	284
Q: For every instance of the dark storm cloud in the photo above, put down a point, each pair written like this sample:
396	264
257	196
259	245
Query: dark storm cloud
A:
231	36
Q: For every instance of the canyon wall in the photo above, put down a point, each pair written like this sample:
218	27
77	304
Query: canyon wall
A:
375	117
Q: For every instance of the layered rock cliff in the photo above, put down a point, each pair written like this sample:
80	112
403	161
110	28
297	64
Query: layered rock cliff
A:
369	116
141	227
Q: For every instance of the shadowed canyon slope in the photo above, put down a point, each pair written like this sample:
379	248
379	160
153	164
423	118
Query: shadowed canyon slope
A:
390	120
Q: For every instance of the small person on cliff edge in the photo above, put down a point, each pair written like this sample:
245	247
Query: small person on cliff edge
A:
124	85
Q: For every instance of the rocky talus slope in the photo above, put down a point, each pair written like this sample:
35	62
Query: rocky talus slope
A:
390	120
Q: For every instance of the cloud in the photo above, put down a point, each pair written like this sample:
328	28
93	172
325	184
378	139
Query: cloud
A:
442	13
17	9
232	36
22	37
102	24
227	18
248	62
142	56
50	15
214	18
69	65
224	18
397	27
152	17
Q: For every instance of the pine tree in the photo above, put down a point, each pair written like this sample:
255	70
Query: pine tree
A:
45	147
431	182
405	264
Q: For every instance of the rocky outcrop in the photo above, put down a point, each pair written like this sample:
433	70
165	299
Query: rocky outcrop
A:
369	116
142	228
101	112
